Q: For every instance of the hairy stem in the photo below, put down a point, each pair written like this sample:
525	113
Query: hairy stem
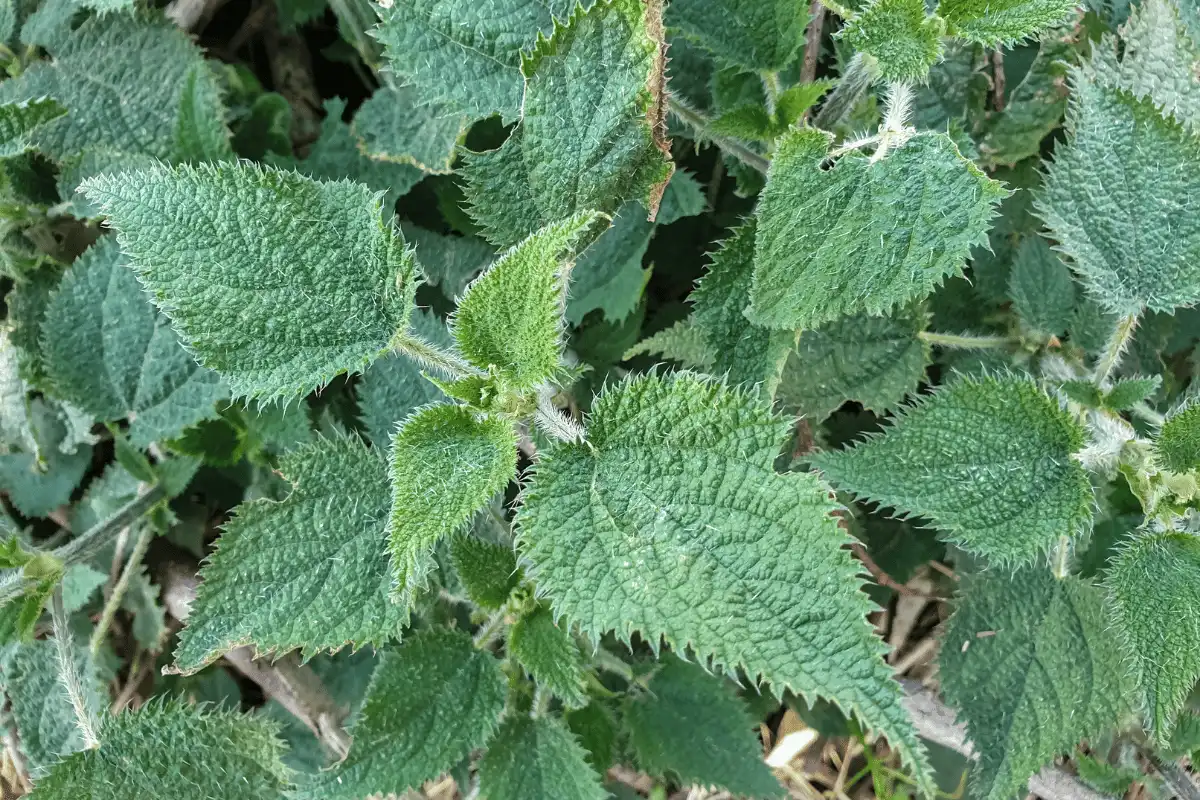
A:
855	81
771	90
432	357
700	123
1121	336
964	342
68	673
1177	778
122	586
491	629
608	662
1062	558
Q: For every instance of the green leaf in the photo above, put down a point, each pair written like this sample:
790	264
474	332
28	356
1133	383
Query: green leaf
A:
903	39
875	361
19	120
1128	392
172	749
834	242
536	758
693	725
796	100
109	351
1041	288
276	303
74	171
393	387
331	588
676	482
745	353
465	58
988	460
448	262
1178	443
548	653
1154	588
750	121
682	342
446	463
1032	666
335	156
511	317
593	111
487	571
995	24
41	709
390	126
130	84
1034	108
608	275
39	482
1116	200
431	702
760	35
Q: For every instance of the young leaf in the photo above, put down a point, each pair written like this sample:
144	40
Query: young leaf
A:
511	317
109	351
548	653
838	241
1128	392
276	281
1178	443
682	342
693	725
593	110
390	126
1041	287
745	353
446	463
465	58
900	35
1154	586
393	386
172	749
988	460
760	35
1033	668
876	361
487	571
329	591
129	84
536	758
1116	200
995	24
677	475
431	702
19	120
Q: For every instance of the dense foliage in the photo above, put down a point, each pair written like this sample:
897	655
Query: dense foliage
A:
581	398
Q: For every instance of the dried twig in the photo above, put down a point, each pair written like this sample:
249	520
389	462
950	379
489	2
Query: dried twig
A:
812	42
885	580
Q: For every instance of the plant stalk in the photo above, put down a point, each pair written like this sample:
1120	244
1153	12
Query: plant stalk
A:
69	674
1122	335
122	586
432	357
964	342
700	123
855	81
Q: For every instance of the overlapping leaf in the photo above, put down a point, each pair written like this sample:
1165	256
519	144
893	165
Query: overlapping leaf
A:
548	653
391	127
755	34
1005	22
19	120
1034	107
1178	442
488	571
670	522
536	758
1041	287
276	281
393	386
899	35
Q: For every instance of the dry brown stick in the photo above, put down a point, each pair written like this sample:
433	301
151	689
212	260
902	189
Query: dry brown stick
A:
998	82
812	42
885	580
290	683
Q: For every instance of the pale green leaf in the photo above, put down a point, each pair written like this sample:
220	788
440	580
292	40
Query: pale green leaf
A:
1117	201
310	572
548	653
511	317
172	749
488	571
608	275
448	262
1128	392
97	161
110	351
1032	667
1033	109
79	583
875	361
14	412
682	342
393	387
839	241
536	758
756	34
390	126
1041	287
276	281
39	482
899	35
1178	442
987	460
129	84
465	58
671	522
591	131
994	23
693	725
446	463
684	197
19	120
1154	587
431	702
744	352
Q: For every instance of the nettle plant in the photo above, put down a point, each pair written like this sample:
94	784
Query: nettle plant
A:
476	494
